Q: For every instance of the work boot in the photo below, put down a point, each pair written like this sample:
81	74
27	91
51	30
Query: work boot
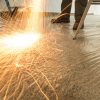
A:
76	26
58	20
62	18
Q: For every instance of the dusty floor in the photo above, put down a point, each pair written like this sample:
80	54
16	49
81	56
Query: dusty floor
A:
59	65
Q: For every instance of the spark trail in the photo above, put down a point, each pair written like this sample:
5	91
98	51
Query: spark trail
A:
21	43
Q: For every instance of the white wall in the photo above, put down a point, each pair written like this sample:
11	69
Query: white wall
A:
51	6
54	6
96	10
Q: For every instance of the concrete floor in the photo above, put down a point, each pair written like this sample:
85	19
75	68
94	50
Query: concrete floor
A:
71	66
79	62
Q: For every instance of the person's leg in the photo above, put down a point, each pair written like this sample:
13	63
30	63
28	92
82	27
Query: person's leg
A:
66	8
80	6
65	12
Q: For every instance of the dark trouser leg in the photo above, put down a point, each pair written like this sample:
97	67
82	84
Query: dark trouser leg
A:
65	12
80	6
64	4
79	9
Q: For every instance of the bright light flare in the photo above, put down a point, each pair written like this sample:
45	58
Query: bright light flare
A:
20	41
